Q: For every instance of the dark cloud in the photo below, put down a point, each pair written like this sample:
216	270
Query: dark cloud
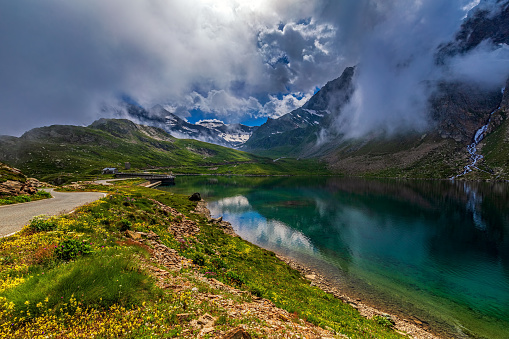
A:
397	64
61	61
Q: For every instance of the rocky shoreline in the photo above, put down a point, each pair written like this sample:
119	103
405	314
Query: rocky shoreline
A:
413	327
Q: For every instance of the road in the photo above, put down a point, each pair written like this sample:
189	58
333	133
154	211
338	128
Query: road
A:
14	217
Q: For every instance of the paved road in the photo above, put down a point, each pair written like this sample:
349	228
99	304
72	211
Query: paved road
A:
14	217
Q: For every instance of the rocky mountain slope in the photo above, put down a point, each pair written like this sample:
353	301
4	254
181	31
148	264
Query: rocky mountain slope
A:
211	131
296	131
457	111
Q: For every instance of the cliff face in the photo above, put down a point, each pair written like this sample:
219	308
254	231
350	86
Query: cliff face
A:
489	20
459	109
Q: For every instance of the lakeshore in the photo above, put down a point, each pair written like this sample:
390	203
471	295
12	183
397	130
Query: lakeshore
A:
415	328
402	247
144	263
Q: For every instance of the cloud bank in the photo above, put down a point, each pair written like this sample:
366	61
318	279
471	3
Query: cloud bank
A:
61	61
397	68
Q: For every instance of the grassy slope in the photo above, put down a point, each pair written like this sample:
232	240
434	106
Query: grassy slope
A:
409	156
81	152
107	294
496	151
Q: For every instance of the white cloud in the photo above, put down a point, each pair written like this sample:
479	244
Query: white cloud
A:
276	107
62	60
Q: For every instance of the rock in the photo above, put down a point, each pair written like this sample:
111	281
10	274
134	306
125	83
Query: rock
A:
418	322
13	188
310	277
184	316
237	333
133	235
36	183
195	197
217	220
206	330
152	235
283	317
206	320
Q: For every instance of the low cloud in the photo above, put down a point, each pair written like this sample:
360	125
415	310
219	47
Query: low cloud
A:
276	107
397	66
61	61
487	65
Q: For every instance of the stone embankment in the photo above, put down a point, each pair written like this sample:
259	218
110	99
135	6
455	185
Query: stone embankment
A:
414	327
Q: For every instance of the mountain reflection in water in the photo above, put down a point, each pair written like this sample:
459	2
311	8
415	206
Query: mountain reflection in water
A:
438	250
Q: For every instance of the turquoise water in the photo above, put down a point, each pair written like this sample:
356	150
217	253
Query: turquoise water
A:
437	251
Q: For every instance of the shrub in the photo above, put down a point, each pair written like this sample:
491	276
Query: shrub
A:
43	194
41	224
72	248
236	278
384	320
22	198
198	259
125	225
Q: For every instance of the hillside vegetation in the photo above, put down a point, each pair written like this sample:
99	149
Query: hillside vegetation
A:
177	274
62	153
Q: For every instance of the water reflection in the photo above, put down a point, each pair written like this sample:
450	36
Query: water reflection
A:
437	249
253	227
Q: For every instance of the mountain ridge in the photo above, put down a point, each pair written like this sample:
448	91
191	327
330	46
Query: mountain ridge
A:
62	153
217	132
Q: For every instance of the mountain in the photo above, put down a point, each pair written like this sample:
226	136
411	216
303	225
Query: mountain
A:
211	131
295	132
488	20
457	112
62	153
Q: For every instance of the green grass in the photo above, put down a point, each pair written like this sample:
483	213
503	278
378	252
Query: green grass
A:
111	274
61	154
25	198
109	277
496	151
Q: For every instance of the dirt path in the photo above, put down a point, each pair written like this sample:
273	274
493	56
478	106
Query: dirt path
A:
14	217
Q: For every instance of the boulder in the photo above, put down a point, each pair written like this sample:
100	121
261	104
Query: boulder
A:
195	197
207	320
13	188
237	333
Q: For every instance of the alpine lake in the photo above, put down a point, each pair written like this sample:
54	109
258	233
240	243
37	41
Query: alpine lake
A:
434	252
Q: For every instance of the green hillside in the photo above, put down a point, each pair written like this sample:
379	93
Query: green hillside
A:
61	153
496	151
